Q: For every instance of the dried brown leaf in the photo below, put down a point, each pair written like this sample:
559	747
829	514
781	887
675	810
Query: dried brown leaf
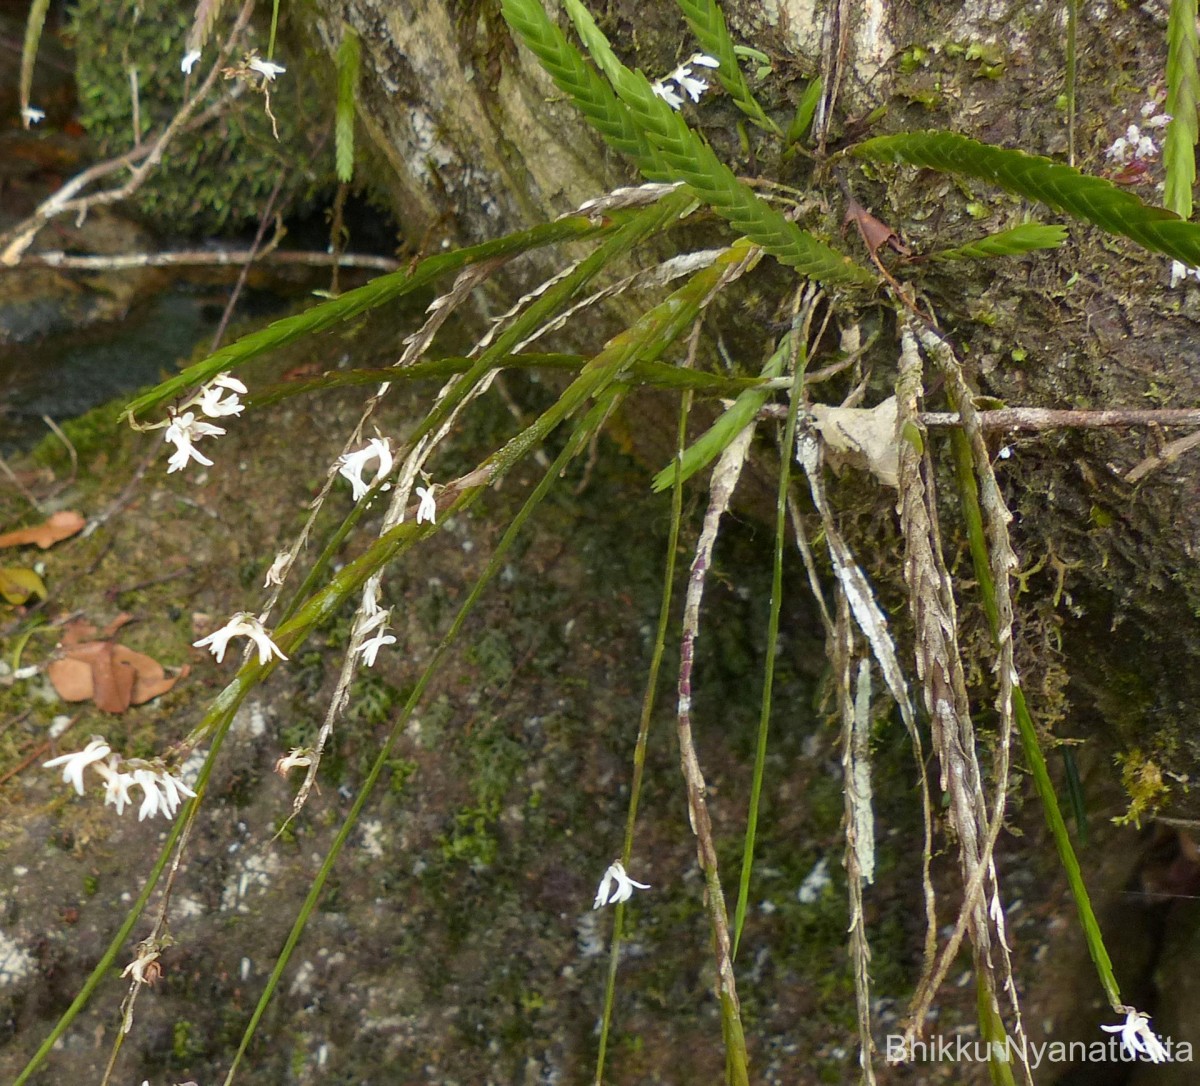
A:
58	526
113	676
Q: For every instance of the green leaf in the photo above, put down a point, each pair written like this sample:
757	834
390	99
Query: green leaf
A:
1183	82
18	585
805	112
705	449
1020	239
670	150
1061	187
33	35
592	96
379	291
347	65
708	24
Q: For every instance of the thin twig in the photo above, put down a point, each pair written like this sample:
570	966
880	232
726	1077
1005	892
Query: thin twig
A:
57	431
206	258
21	488
259	234
1043	418
1168	454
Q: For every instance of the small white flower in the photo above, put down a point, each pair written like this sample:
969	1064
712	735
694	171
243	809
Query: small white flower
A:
1138	1038
704	60
182	433
116	789
1146	148
427	510
242	624
275	573
1159	120
674	100
173	790
624	890
145	968
189	61
1180	272
31	115
1118	150
690	85
148	783
74	764
210	403
371	647
297	756
267	69
352	465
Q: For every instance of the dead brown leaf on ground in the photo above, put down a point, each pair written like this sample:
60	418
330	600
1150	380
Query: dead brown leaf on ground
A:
56	527
111	675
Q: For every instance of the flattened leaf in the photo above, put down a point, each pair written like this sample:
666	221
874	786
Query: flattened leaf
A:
58	526
19	585
861	437
114	676
150	679
71	679
111	681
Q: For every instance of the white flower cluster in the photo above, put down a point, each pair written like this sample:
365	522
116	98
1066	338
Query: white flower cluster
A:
376	624
352	465
1137	143
1137	1038
160	790
217	399
684	80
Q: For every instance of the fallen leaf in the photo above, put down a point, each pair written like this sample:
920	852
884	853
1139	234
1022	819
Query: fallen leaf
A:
112	675
58	526
19	585
71	679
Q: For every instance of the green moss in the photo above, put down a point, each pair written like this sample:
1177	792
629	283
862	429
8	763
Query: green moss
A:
217	177
1142	778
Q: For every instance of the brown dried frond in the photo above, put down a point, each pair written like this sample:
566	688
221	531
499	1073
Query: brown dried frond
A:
207	13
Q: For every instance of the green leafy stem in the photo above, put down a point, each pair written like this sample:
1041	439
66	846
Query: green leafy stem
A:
1063	188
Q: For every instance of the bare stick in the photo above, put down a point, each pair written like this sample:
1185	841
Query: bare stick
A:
1043	418
205	258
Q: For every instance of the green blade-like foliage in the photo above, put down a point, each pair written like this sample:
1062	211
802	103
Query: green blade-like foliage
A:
1020	239
347	65
34	22
1183	84
714	441
1065	189
580	82
708	24
805	111
379	291
688	158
